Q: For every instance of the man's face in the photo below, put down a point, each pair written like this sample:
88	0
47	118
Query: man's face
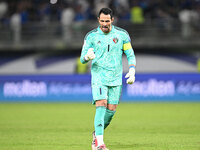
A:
105	22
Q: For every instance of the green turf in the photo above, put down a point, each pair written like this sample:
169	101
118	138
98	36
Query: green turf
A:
65	126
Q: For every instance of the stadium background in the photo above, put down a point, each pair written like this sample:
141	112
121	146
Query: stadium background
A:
40	44
45	93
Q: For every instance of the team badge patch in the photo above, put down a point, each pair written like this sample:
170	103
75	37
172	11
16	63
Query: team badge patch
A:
115	40
99	42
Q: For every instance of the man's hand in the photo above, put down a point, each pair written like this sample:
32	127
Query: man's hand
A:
90	54
131	76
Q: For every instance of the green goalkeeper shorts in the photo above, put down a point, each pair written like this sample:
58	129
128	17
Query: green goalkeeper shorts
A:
110	93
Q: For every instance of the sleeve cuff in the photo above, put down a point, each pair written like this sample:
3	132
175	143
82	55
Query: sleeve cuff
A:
132	66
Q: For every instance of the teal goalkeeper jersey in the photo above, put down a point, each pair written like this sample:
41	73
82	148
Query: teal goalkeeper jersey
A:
107	68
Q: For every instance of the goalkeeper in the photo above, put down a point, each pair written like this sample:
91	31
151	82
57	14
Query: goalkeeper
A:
105	46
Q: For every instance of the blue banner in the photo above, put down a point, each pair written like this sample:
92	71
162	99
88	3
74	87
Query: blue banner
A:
77	88
168	87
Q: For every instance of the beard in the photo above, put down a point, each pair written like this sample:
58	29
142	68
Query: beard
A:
105	29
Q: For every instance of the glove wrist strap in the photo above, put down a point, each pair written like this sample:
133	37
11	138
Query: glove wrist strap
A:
86	58
131	67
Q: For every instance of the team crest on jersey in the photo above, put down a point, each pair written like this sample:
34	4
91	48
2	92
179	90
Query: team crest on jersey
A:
99	42
115	40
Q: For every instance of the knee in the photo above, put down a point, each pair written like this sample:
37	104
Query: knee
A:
101	103
112	107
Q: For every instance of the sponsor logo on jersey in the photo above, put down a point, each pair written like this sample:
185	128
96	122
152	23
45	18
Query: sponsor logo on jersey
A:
115	40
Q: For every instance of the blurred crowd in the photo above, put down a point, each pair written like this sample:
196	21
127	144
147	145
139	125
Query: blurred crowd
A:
136	11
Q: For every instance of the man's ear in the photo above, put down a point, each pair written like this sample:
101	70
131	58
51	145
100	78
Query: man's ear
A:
98	19
112	19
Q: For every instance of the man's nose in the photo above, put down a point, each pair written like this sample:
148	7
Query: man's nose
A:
104	24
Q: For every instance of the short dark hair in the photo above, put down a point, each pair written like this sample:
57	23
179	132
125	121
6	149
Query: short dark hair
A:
106	11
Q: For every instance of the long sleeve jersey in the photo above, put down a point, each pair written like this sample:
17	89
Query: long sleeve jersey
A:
107	66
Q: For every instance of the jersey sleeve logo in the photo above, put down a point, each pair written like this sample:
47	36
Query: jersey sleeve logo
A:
115	40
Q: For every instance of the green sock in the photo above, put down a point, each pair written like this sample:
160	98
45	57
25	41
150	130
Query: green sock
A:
99	120
108	117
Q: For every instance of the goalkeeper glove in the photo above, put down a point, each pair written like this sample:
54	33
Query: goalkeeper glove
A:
131	76
90	54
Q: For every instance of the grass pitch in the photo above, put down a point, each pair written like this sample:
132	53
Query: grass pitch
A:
66	126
